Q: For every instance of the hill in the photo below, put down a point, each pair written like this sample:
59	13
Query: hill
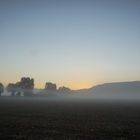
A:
117	90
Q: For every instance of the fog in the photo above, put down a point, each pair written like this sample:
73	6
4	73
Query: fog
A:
104	111
122	91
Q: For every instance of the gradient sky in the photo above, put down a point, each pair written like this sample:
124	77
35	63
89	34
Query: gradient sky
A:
75	43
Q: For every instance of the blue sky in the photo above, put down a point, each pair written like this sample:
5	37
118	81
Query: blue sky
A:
76	43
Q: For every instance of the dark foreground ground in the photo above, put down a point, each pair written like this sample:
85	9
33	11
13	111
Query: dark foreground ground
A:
32	119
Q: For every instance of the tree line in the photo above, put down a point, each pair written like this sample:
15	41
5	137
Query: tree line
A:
25	87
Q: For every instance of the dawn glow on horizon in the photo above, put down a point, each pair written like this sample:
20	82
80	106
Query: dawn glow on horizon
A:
73	43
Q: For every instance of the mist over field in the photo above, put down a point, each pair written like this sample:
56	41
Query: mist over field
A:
125	91
69	69
108	91
109	111
68	118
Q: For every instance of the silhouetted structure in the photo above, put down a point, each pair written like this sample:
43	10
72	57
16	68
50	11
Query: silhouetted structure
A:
1	88
12	89
64	90
26	85
50	86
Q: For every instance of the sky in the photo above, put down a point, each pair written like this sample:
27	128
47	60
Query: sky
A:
73	43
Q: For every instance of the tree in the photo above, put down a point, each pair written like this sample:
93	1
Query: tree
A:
50	86
27	86
64	90
11	88
1	88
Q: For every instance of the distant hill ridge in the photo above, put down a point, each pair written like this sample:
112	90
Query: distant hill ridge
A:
115	87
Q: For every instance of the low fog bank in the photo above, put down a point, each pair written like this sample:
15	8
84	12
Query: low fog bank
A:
115	91
79	97
129	91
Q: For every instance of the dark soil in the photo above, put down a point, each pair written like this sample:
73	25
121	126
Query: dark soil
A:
40	119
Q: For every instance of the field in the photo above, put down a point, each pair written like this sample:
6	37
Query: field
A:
50	119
